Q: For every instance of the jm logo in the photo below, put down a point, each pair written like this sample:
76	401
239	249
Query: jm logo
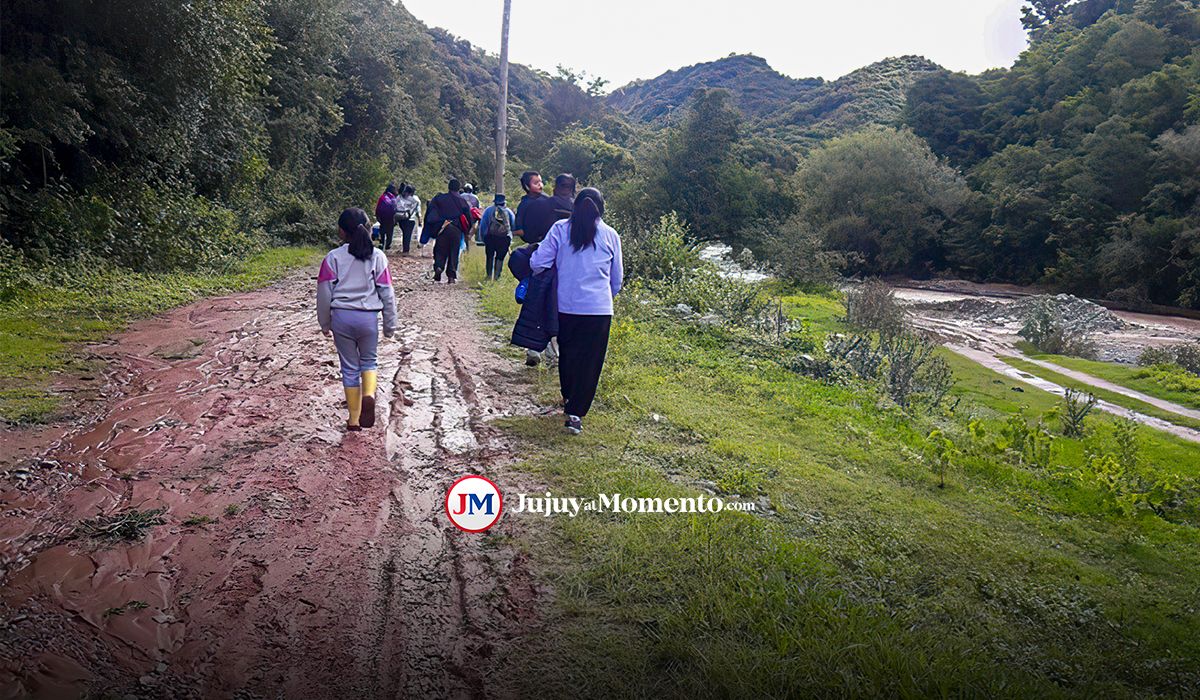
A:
474	503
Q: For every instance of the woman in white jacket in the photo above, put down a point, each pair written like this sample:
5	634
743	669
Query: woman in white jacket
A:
353	287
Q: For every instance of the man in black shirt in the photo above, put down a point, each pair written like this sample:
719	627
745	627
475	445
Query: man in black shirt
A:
542	213
531	182
447	218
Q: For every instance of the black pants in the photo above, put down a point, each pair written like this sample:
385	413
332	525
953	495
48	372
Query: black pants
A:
386	229
495	249
406	232
445	252
582	345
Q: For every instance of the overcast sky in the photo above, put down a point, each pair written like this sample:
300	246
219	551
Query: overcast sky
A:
623	40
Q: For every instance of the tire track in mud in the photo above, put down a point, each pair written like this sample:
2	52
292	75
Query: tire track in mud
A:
297	559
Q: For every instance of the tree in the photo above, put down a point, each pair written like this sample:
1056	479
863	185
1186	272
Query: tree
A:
945	109
584	152
881	197
1037	16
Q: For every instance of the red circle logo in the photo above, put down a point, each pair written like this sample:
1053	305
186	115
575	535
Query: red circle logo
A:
474	503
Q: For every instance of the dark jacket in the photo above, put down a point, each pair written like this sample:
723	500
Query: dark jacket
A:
538	321
541	214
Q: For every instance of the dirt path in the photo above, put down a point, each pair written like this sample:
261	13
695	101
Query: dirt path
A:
988	348
294	559
992	361
1099	383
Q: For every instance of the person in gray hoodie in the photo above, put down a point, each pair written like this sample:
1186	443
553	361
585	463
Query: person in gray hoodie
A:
354	286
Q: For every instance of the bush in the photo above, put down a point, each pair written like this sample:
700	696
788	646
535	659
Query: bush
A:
144	228
797	253
660	252
1186	357
1076	406
905	364
1156	356
1050	332
872	306
912	370
295	219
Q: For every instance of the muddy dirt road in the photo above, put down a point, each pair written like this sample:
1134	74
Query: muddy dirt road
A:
967	323
293	559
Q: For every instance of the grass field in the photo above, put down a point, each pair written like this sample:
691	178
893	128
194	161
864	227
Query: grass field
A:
42	328
1162	382
859	576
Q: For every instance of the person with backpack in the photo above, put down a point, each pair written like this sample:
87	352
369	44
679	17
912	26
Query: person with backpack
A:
408	213
447	221
585	254
531	182
497	227
385	214
354	286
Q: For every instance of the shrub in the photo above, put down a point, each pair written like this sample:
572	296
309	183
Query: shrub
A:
1050	332
913	370
296	219
905	364
1025	443
941	453
797	253
872	306
1188	357
1156	356
1076	406
660	252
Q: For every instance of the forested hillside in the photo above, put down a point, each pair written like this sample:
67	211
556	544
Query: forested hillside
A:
1085	155
796	111
246	121
236	122
1078	168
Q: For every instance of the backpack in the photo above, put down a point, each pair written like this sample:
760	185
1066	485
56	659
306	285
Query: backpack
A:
385	208
403	214
499	225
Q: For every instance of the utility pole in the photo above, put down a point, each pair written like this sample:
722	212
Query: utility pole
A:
502	110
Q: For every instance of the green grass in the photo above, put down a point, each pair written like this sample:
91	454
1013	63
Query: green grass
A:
1110	396
1162	382
865	578
42	329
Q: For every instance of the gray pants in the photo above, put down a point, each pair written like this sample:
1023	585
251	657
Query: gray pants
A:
356	336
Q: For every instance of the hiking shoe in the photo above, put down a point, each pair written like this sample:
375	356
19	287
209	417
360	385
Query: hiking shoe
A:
437	275
532	359
367	418
353	428
574	425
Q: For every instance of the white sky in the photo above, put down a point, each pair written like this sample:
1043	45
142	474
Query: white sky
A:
623	40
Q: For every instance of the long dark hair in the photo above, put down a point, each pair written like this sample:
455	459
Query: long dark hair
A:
353	223
589	207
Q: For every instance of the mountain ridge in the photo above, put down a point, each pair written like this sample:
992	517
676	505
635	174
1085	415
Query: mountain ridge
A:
797	110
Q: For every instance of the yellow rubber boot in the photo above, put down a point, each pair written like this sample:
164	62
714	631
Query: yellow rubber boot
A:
369	380
354	402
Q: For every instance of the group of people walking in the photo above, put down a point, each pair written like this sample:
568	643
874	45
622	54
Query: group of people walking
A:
569	269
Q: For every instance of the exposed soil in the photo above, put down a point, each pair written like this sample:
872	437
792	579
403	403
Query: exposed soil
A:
983	324
295	559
